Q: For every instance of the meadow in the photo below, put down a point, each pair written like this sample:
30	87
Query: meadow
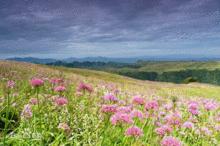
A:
44	105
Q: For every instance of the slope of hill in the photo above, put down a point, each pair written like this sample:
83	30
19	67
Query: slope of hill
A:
26	70
172	71
44	105
178	65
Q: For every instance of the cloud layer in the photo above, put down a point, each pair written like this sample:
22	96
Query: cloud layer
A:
79	28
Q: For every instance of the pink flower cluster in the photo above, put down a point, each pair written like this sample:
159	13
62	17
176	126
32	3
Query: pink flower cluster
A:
168	106
60	88
33	101
61	101
121	118
210	105
169	117
170	141
124	109
65	127
137	114
134	131
84	87
152	105
10	84
56	81
110	97
164	129
109	108
173	119
138	100
36	82
193	108
188	125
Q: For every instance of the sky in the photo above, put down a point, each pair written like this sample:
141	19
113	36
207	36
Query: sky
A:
111	28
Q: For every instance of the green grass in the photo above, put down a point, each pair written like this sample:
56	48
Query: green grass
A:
167	66
25	71
164	66
86	123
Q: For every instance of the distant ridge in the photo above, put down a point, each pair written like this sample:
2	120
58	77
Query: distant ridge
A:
33	60
119	60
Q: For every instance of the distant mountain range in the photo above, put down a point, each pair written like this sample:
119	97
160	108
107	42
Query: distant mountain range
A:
120	60
69	60
33	60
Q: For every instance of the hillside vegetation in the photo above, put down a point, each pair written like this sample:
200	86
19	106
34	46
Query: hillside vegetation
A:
173	71
178	65
26	71
46	105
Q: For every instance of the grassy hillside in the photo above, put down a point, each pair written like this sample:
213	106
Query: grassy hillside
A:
26	71
173	71
44	105
178	65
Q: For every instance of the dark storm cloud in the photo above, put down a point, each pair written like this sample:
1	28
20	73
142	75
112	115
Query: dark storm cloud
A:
108	27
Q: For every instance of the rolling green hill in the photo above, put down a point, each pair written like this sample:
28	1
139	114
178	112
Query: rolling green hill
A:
165	71
22	71
177	66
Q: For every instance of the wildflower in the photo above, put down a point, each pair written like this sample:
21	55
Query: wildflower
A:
36	82
27	112
109	108
134	131
59	89
170	141
168	106
121	102
65	127
124	109
161	114
210	105
61	101
116	91
152	105
206	131
120	118
193	108
194	112
173	119
137	114
84	87
10	84
193	105
110	97
163	130
188	125
56	81
157	123
138	100
33	101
